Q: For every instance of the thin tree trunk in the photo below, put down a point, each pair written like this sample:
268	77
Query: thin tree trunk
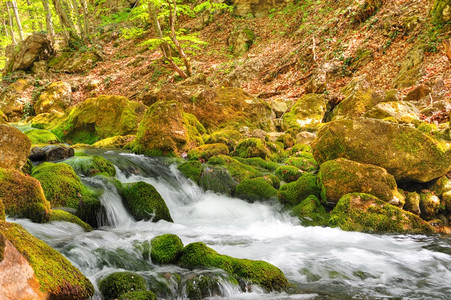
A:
64	19
16	14
172	20
78	18
10	21
48	20
84	8
31	15
4	27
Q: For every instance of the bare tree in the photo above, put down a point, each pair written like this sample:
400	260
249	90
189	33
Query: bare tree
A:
13	4
10	23
48	20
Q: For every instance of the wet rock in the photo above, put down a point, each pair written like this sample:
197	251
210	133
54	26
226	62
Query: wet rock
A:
406	153
413	203
14	147
429	205
51	153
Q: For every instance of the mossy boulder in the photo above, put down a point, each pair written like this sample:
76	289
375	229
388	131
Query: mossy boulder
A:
259	163
287	140
41	136
356	104
293	193
74	62
410	70
47	121
429	205
14	100
145	203
138	295
63	188
205	285
303	161
310	212
401	111
237	170
2	211
61	215
198	255
224	107
115	142
56	97
306	114
342	176
167	130
14	147
256	189
288	173
3	118
413	203
23	196
165	249
91	165
405	152
229	137
253	147
99	118
205	152
56	275
119	283
192	170
366	213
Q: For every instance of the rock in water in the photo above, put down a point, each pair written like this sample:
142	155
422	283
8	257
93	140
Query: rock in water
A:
14	147
406	153
51	153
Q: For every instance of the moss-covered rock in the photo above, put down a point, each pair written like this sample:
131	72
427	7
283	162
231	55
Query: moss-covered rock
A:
306	114
115	142
63	188
2	211
138	295
99	118
218	179
341	176
167	130
41	136
23	196
413	203
192	170
14	100
74	62
14	147
300	149
401	111
204	285
56	275
405	152
256	189
3	118
410	70
288	173
237	170
429	205
259	163
198	255
145	203
205	152
119	283
310	212
287	140
229	137
252	147
165	249
356	104
363	212
47	120
303	161
56	97
61	215
91	165
293	193
241	39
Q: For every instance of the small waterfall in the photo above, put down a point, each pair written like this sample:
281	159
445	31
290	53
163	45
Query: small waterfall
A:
115	212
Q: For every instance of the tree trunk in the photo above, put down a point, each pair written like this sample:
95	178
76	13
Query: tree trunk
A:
84	8
78	18
16	14
31	16
66	22
48	21
10	23
172	21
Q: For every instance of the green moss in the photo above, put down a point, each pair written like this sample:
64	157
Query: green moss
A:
293	193
366	213
287	140
23	197
202	286
115	142
91	165
229	137
61	215
205	152
304	161
288	173
192	170
138	295
218	180
27	169
41	136
2	211
429	205
273	180
119	283
165	249
311	212
237	170
252	147
259	163
56	275
300	148
2	247
306	114
145	203
196	255
438	12
47	121
256	189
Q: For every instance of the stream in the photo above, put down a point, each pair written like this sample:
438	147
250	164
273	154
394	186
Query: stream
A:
321	263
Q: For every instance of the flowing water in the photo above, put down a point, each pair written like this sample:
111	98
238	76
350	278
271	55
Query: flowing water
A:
321	263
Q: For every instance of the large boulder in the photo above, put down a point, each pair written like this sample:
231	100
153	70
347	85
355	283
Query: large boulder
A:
15	100
99	118
307	113
341	176
403	112
405	152
75	62
23	196
57	96
167	130
363	212
54	276
51	153
255	8
14	147
36	47
219	107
